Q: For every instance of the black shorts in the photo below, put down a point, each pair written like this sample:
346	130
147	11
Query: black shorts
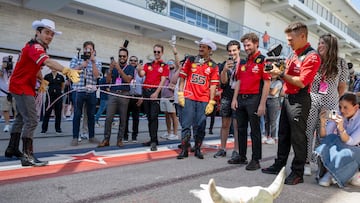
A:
225	108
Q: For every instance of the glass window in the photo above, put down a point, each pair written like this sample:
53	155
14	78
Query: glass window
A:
222	27
177	10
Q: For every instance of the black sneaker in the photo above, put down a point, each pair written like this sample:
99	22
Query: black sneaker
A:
253	165
153	146
43	132
293	179
221	152
271	170
237	160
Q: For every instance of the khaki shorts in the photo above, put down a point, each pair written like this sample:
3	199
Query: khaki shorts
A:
167	106
5	105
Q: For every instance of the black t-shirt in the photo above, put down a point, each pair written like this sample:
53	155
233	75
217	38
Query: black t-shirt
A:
228	92
55	84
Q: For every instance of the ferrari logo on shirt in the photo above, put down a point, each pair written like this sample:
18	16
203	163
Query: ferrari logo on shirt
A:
160	69
150	68
258	60
193	65
243	68
207	71
210	64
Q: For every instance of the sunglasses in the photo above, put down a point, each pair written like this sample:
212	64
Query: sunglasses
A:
157	52
122	56
133	60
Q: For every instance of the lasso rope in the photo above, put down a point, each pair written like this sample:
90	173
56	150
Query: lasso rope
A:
93	88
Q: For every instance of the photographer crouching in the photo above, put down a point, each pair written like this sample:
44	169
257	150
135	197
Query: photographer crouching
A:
7	103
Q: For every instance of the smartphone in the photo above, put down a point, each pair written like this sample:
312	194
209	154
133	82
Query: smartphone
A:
111	58
230	58
141	61
126	43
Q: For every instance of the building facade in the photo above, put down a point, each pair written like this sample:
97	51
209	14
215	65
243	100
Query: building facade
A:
146	22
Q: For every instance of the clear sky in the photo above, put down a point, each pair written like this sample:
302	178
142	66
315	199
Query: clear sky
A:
356	3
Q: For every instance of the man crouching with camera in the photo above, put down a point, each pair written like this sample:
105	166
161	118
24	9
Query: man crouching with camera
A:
85	90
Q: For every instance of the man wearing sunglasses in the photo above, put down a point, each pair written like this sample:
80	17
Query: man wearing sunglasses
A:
119	76
156	73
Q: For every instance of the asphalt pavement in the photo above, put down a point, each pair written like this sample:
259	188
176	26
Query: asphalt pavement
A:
134	174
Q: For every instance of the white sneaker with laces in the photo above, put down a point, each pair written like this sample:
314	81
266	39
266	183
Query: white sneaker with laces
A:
355	180
172	137
165	136
270	140
307	170
326	180
7	128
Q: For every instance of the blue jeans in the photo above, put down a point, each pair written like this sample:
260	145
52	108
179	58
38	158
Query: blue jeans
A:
193	114
342	161
102	108
272	116
81	98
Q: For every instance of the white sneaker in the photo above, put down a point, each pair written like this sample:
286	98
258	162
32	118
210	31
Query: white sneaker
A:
84	136
172	137
355	180
165	136
307	170
7	128
326	180
263	139
97	124
270	140
79	139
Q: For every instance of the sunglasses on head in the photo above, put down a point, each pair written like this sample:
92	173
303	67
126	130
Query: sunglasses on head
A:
157	52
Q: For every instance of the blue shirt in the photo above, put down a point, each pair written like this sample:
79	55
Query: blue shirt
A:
352	127
117	79
86	72
102	81
136	86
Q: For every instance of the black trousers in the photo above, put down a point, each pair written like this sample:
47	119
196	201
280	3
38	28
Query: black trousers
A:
292	128
245	113
152	110
135	111
57	108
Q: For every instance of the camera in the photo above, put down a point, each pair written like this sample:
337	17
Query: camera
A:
9	63
230	58
273	57
330	114
86	55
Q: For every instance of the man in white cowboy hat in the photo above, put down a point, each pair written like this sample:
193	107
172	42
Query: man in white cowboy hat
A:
22	86
197	94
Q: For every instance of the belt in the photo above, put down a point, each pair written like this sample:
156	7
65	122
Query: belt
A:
245	96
